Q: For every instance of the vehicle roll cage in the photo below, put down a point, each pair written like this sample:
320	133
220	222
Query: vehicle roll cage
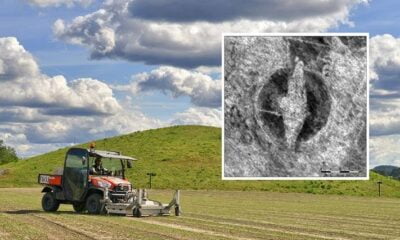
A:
105	154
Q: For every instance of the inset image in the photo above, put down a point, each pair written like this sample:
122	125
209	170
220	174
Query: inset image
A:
295	106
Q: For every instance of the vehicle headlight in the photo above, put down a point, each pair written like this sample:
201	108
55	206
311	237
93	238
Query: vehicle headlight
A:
103	184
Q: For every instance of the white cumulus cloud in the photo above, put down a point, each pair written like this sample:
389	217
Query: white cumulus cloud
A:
21	115
22	84
199	116
58	3
384	100
385	85
202	89
117	30
385	57
384	150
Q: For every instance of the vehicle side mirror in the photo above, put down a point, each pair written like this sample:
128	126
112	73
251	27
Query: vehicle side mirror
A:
129	164
83	161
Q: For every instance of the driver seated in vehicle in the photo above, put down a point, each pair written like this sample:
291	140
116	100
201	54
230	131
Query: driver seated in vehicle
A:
98	169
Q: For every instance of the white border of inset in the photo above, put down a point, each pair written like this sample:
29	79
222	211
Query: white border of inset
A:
223	104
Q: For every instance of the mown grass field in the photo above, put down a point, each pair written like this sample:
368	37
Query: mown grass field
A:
185	157
210	215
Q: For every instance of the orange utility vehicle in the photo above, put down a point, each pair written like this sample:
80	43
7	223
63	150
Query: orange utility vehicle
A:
103	191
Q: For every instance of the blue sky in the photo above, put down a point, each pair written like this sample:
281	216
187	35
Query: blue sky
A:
376	17
155	68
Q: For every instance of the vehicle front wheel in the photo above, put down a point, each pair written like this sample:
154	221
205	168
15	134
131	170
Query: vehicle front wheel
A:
49	202
94	204
79	207
137	213
177	211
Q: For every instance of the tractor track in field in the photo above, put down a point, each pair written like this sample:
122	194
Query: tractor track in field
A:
166	236
238	230
332	230
191	229
150	232
369	219
271	229
259	224
68	228
105	222
372	222
51	227
335	229
332	215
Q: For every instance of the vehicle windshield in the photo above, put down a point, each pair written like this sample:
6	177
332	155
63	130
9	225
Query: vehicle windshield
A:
107	166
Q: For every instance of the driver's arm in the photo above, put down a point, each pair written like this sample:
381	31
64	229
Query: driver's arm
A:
105	171
93	171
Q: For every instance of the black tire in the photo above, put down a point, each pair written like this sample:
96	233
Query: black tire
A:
79	207
177	211
137	213
49	202
94	204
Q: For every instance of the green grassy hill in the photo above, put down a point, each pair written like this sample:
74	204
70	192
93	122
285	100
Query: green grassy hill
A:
185	157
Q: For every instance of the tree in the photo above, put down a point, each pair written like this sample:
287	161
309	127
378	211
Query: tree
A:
7	154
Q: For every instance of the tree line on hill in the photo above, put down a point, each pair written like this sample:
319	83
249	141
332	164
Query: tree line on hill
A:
388	170
7	154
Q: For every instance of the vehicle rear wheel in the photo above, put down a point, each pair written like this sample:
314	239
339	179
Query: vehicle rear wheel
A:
79	207
94	204
49	202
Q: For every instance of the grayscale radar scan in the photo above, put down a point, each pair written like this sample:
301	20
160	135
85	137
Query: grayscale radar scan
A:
295	106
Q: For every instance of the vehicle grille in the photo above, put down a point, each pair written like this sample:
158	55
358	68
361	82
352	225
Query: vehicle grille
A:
124	188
